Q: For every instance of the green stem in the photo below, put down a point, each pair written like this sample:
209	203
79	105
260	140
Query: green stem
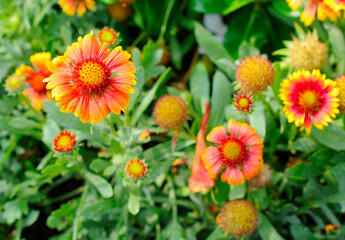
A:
19	228
172	197
139	38
80	208
63	197
112	127
152	203
165	20
13	143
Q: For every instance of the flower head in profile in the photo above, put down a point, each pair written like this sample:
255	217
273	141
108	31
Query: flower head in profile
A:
37	92
309	98
170	112
255	73
64	141
305	51
14	83
340	83
243	103
70	7
240	153
108	36
323	9
136	168
238	218
91	81
144	135
199	180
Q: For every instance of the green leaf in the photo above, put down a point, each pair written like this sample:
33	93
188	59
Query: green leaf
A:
200	87
212	47
15	209
300	232
236	4
133	204
228	67
99	165
63	217
331	136
53	170
337	41
221	95
102	186
266	230
305	144
237	191
257	119
207	6
49	131
98	208
149	96
217	234
247	50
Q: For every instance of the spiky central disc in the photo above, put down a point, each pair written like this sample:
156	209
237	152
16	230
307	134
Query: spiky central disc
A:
243	102
64	141
309	100
92	73
107	36
135	168
233	152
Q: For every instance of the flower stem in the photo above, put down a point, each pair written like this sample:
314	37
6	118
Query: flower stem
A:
80	208
165	20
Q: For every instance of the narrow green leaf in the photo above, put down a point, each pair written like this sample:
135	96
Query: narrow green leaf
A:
266	230
257	119
200	87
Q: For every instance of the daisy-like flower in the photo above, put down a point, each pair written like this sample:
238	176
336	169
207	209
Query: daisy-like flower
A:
64	141
238	218
336	5
323	9
243	103
136	168
91	81
80	6
309	98
240	153
107	36
37	92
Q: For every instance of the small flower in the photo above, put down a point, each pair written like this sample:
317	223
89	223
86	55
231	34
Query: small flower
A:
37	92
80	6
199	180
238	218
242	102
136	168
262	179
120	11
255	73
14	83
170	112
340	83
64	141
309	98
331	227
107	36
144	135
92	81
323	9
179	162
240	153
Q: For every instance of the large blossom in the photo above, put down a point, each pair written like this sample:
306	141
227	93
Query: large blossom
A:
91	81
199	179
309	98
37	91
80	6
323	9
240	153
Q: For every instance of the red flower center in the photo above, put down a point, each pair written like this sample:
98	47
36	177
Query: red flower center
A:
233	152
309	100
91	76
36	82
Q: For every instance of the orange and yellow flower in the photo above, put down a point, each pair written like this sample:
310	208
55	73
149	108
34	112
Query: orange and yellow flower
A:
91	81
64	141
37	92
309	98
145	134
107	35
136	168
323	9
199	180
80	6
243	103
340	81
240	153
336	5
14	83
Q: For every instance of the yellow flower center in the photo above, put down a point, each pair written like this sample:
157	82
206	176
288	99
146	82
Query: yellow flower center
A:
135	168
232	150
92	73
107	36
309	100
64	141
243	102
14	83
